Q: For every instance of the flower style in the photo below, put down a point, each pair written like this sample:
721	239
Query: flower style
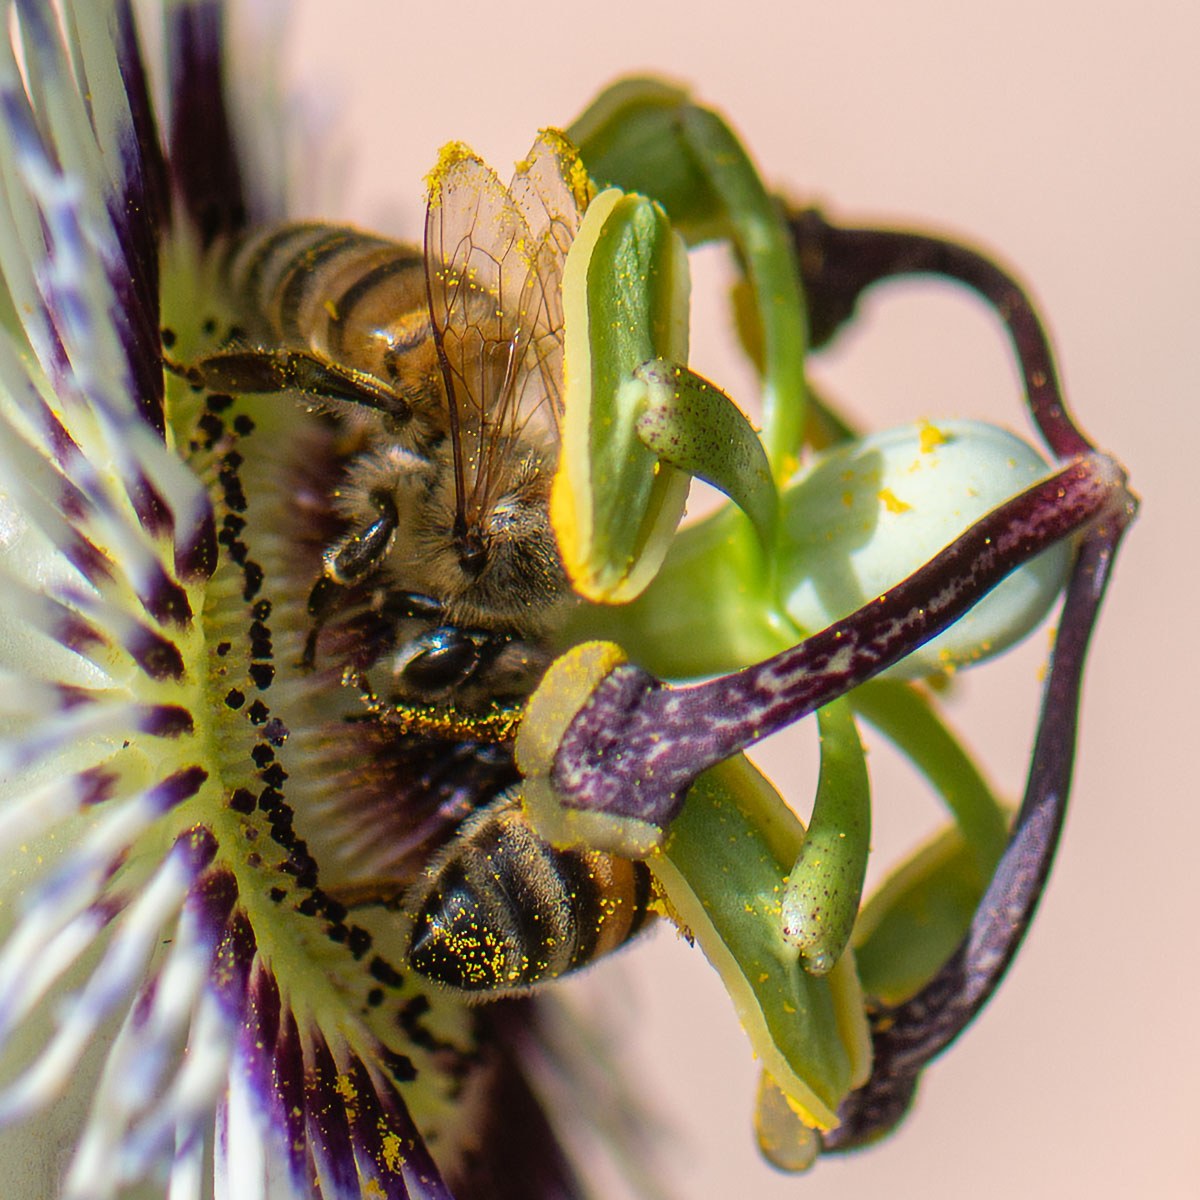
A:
201	828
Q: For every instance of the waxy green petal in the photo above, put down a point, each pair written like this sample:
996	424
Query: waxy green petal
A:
724	869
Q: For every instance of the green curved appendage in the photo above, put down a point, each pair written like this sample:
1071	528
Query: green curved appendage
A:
723	869
629	137
907	718
921	913
825	886
697	428
646	136
917	918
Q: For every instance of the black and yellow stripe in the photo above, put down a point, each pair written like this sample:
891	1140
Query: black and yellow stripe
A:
343	295
503	910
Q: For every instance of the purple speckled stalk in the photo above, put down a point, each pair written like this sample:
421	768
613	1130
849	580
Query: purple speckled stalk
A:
837	265
637	745
908	1036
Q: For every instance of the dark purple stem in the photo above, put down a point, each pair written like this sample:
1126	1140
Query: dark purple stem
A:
637	745
837	265
908	1036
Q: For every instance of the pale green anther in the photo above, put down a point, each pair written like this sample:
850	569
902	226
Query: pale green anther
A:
823	891
783	1138
615	506
723	870
697	428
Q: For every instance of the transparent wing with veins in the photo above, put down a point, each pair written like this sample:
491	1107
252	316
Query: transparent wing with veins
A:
494	259
551	188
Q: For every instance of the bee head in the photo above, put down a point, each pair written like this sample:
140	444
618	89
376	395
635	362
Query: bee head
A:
501	565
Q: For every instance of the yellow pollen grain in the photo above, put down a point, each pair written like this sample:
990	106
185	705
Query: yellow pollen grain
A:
393	1151
892	502
931	437
332	310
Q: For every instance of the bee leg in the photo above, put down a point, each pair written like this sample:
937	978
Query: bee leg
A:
355	557
375	630
398	604
267	371
322	601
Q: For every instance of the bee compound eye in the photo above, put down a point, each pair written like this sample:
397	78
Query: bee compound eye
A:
444	658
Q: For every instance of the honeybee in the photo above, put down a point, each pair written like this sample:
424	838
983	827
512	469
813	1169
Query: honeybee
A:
446	364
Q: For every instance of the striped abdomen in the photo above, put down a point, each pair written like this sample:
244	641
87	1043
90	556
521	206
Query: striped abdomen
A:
346	297
504	910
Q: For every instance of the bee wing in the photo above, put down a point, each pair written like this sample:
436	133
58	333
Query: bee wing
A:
475	261
551	187
494	261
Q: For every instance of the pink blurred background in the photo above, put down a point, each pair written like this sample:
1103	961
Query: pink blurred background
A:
1064	137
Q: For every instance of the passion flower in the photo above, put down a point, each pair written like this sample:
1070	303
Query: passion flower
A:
207	978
